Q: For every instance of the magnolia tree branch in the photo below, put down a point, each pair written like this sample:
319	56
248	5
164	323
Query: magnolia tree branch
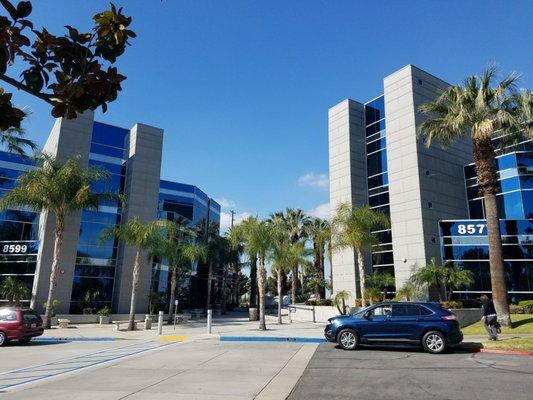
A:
24	88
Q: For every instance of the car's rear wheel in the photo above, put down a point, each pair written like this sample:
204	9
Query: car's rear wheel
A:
25	340
3	338
348	339
434	342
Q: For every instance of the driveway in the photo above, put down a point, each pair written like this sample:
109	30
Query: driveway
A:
378	373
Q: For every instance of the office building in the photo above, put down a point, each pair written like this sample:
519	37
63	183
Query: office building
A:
93	273
377	158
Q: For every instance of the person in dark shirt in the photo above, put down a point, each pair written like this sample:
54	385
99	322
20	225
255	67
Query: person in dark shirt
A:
489	317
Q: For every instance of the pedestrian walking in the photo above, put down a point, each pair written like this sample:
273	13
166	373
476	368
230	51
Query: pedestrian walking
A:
490	318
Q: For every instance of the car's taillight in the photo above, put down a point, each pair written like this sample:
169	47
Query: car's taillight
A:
451	317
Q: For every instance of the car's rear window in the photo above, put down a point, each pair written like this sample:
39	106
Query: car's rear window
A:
30	317
8	315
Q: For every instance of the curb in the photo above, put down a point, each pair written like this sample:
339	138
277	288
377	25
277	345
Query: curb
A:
270	339
75	339
507	352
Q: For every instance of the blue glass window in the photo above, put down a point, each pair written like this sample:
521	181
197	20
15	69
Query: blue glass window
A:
109	135
376	163
107	150
509	184
100	289
94	271
510	205
375	128
375	110
527	197
379	180
507	161
475	208
111	168
376	145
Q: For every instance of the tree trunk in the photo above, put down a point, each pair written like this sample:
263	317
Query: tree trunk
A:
361	265
294	284
134	290
487	177
173	284
60	226
322	275
261	285
209	277
280	293
253	282
236	289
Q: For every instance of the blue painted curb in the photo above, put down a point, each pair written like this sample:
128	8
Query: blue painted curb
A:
270	339
74	339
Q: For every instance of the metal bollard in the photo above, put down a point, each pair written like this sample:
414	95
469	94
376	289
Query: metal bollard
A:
160	323
209	320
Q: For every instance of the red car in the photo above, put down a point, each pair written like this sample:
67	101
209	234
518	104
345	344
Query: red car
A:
19	323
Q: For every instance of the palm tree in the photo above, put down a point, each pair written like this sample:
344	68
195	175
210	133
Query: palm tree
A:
319	231
284	255
381	282
14	141
143	237
14	290
454	277
180	251
341	297
257	239
353	228
431	275
58	188
481	110
294	221
407	292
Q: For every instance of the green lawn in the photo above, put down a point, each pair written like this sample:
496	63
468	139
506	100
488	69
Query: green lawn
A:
523	344
522	323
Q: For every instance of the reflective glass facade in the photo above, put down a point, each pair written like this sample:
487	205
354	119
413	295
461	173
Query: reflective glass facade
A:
19	228
465	242
95	265
95	261
378	182
177	201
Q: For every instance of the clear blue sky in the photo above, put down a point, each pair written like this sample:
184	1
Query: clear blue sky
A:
242	87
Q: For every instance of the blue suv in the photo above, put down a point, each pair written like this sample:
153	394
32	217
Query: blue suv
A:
425	324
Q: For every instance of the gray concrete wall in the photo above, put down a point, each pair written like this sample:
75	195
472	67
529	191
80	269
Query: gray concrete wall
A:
348	181
419	175
142	194
69	137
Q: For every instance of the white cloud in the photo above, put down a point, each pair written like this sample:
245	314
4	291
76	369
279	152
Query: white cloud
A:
225	203
313	180
225	220
320	211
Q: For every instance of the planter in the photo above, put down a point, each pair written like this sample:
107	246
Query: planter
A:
253	314
104	319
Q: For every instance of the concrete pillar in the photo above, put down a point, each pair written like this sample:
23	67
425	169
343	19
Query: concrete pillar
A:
348	182
142	195
69	137
425	184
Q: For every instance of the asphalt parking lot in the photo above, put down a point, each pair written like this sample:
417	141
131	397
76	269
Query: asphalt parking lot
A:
379	373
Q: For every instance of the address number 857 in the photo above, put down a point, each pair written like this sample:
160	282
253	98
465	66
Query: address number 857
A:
471	229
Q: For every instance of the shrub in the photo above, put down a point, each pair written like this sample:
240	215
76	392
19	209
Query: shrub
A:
319	302
104	312
527	305
516	309
451	304
359	302
87	311
471	303
55	306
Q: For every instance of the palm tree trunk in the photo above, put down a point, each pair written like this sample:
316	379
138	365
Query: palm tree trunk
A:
280	300
261	285
361	265
60	226
487	176
294	284
253	281
134	290
209	274
173	284
322	274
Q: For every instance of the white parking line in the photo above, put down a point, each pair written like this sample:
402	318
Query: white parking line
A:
11	380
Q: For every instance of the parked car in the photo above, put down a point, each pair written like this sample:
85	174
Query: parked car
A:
19	323
425	324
